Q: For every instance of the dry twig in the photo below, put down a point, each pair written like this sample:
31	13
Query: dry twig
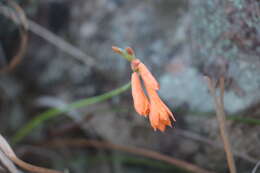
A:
221	117
17	15
7	150
7	164
133	150
61	43
52	38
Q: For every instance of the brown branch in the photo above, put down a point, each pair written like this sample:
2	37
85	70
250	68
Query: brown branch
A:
17	15
8	151
133	150
30	167
6	164
221	117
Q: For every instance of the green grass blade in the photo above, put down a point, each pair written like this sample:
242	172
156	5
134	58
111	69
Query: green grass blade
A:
245	120
51	113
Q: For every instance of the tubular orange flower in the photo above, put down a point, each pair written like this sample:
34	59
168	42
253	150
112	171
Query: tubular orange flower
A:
160	115
141	102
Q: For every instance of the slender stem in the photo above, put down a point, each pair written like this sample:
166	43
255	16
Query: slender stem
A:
241	119
221	117
51	113
127	56
223	129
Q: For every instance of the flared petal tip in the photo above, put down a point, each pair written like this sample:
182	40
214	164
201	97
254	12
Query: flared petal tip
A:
173	118
155	85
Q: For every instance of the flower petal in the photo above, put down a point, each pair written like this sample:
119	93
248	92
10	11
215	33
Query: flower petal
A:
167	109
162	113
161	127
148	77
153	116
141	102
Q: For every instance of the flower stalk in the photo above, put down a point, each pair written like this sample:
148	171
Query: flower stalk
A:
54	112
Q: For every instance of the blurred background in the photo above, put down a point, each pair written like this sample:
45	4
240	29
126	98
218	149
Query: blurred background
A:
62	53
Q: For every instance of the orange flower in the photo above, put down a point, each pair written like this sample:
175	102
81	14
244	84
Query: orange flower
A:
141	102
159	114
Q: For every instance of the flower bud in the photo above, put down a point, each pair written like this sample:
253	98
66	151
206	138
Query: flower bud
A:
117	50
130	51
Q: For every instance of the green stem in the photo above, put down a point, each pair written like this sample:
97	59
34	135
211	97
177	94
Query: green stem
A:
127	56
233	117
246	120
51	113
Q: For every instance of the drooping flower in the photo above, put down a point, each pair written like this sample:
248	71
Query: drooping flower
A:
159	114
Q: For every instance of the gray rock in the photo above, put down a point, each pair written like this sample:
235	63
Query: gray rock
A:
189	87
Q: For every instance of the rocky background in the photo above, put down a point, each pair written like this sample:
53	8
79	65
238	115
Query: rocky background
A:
180	40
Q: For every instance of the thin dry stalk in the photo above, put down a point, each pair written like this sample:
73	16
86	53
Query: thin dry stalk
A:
8	151
52	39
61	44
221	117
17	15
6	164
23	32
133	150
